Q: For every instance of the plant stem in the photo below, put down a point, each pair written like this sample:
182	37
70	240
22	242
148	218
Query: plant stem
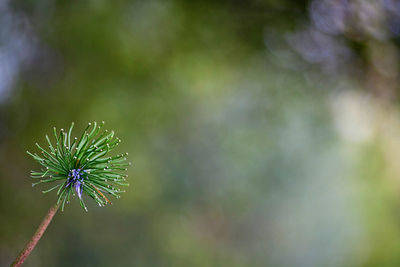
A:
36	237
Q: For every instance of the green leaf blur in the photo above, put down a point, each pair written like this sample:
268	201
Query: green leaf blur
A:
261	133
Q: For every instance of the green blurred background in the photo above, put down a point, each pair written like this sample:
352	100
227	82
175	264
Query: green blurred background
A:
262	133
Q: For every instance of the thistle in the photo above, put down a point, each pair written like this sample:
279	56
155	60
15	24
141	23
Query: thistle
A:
81	166
78	166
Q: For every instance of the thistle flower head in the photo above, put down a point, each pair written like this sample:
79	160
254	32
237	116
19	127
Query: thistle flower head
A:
81	165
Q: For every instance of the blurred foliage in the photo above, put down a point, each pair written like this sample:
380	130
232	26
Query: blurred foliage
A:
262	133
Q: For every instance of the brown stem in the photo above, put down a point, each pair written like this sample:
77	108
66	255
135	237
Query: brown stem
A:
36	237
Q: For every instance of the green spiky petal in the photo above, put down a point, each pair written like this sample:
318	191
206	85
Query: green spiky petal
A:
82	165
